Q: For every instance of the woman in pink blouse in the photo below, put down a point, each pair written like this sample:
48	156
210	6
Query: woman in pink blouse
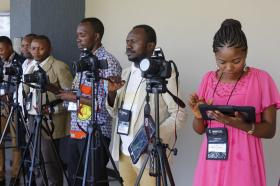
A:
234	157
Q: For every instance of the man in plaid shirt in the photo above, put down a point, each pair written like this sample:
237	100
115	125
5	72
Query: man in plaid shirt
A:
89	35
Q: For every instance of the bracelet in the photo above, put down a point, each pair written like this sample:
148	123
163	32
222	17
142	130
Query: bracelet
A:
252	129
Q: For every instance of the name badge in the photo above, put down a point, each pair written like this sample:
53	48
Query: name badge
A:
28	101
3	88
124	117
217	144
72	106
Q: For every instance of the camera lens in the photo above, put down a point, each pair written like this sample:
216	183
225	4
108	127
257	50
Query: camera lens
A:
145	65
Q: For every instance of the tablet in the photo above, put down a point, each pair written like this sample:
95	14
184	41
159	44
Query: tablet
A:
141	141
247	111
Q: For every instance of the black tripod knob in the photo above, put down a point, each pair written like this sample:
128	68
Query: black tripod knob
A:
174	151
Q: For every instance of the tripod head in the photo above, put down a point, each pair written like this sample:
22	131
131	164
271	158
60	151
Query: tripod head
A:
11	74
90	63
39	77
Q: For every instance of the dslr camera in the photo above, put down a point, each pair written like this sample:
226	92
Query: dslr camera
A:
39	77
89	62
14	70
156	67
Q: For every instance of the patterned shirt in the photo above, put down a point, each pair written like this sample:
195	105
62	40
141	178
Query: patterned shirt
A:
83	117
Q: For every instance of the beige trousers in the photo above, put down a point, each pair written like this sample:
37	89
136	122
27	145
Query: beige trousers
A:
16	155
129	173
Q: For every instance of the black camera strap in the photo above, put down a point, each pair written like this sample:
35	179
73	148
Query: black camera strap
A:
134	93
176	98
178	101
24	97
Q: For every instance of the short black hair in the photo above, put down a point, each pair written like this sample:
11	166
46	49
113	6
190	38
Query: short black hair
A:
230	34
151	34
43	37
96	24
6	40
31	35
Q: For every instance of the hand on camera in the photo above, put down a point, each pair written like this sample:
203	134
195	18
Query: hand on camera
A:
115	83
194	101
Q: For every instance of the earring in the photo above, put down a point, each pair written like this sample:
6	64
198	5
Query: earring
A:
245	68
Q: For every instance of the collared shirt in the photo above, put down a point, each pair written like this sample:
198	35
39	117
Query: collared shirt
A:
26	67
36	92
83	117
130	103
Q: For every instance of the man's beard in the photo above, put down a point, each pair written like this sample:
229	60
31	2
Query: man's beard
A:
137	60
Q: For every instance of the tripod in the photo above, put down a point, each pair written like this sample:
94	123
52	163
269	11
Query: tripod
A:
34	141
15	112
17	122
94	140
159	166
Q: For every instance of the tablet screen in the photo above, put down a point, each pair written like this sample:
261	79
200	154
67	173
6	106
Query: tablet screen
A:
247	111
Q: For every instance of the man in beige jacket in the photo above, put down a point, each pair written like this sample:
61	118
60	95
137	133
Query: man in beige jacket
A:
140	44
59	76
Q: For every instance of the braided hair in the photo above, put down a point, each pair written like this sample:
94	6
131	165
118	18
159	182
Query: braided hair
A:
230	34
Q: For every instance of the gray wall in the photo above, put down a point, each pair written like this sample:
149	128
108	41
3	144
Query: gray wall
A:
20	14
57	19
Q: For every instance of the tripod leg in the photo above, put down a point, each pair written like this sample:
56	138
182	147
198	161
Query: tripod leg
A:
41	162
142	170
6	126
161	167
33	153
57	157
25	153
79	162
165	166
117	174
89	143
168	170
37	158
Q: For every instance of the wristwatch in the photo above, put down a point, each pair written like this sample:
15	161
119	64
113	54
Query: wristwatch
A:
252	129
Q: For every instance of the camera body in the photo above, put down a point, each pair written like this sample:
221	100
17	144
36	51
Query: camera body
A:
14	70
156	67
39	77
89	62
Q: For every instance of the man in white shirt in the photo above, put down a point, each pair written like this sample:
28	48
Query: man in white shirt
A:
27	64
130	98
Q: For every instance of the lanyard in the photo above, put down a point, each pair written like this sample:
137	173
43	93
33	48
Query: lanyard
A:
219	80
135	92
231	90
